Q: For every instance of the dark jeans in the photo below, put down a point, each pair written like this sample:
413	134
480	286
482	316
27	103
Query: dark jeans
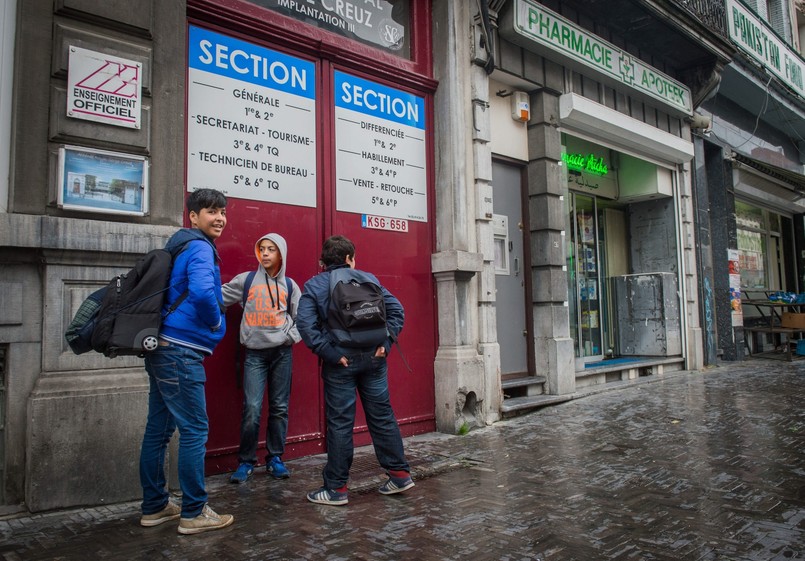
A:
175	400
272	368
367	376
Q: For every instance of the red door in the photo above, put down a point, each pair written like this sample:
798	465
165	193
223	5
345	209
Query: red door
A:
380	200
219	129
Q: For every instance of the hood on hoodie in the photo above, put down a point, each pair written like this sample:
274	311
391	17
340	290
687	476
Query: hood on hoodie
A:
282	247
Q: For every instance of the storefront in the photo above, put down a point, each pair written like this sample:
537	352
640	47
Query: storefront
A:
606	180
315	119
750	184
626	289
622	259
768	204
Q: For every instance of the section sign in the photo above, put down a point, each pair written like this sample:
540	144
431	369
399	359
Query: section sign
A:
380	150
251	125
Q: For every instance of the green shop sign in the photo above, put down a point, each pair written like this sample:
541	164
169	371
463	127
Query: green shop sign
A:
534	27
755	38
590	163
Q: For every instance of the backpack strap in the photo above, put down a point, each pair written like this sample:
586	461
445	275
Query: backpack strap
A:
289	286
183	296
177	302
246	286
396	341
240	351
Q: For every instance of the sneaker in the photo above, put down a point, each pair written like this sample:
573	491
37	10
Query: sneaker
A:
242	473
396	485
277	469
325	496
204	522
172	511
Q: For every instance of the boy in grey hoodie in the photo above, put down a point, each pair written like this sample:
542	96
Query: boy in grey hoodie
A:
267	330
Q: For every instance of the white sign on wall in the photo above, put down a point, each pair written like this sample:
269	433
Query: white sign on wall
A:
380	150
104	88
251	124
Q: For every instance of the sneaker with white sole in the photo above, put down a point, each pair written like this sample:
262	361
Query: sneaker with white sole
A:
206	521
325	496
172	511
396	485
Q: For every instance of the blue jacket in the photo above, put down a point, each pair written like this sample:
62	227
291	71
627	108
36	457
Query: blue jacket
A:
199	321
311	318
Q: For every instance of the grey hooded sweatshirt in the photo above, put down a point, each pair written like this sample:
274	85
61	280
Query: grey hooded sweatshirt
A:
266	322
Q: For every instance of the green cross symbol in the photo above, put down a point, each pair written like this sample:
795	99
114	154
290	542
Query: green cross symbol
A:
627	69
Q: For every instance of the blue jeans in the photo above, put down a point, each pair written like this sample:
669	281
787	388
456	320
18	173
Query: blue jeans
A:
368	376
175	400
263	367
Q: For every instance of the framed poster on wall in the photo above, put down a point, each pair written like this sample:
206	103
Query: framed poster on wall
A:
102	181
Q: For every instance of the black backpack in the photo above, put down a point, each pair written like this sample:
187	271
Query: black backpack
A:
357	313
124	317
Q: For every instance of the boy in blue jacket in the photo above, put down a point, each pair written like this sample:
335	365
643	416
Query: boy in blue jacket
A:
176	371
347	370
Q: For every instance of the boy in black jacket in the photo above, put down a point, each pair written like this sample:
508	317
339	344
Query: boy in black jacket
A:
347	368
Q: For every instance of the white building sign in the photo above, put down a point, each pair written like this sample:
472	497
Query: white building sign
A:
251	123
104	88
533	26
755	38
380	150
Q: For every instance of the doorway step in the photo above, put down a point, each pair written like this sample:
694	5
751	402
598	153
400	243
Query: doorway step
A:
526	392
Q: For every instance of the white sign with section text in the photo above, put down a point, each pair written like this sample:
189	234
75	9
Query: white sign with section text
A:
380	150
251	125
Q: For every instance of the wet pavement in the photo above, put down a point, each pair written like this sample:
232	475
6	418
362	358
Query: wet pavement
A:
701	466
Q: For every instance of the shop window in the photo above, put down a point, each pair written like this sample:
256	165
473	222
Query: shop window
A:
752	259
759	247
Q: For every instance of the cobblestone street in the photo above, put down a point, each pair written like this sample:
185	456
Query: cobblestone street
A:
693	466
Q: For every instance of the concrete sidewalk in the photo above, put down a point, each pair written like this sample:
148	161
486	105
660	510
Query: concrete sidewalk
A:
699	466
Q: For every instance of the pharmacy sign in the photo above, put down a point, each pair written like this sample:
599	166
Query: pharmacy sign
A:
534	27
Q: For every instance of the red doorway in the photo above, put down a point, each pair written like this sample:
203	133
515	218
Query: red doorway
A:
400	259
